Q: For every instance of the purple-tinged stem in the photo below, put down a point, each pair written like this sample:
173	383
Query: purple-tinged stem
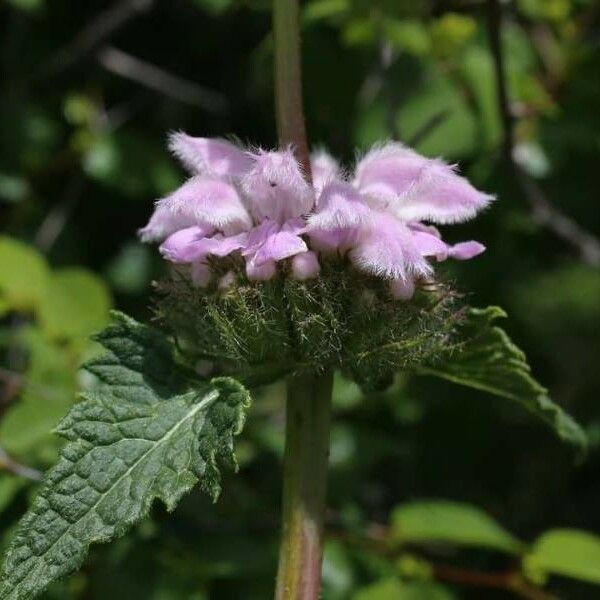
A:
308	406
288	80
308	412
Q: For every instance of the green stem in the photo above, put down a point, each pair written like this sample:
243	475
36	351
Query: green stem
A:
308	413
309	396
288	80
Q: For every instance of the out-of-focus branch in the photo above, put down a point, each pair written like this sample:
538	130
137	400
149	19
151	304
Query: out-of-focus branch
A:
93	35
124	65
543	211
377	82
12	466
510	580
55	221
428	127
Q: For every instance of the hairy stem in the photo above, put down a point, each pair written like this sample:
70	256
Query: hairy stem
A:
308	413
288	80
309	396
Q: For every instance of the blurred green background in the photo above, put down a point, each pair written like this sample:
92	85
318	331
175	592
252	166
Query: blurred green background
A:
88	91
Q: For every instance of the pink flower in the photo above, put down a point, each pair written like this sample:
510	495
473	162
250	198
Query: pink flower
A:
236	200
378	218
258	204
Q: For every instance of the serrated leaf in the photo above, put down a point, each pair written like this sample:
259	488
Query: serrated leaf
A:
488	360
143	434
455	523
566	552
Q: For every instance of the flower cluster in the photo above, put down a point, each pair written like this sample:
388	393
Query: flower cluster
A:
259	204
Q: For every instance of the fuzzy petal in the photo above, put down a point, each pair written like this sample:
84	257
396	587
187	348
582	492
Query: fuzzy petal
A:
324	169
340	240
210	201
417	188
416	226
225	245
296	226
339	207
180	247
386	248
210	156
466	250
258	236
384	173
164	223
275	188
430	245
188	245
305	266
279	246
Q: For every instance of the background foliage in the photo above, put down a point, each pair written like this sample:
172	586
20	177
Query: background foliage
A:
88	93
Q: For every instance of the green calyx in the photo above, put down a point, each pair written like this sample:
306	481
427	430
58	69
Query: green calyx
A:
259	331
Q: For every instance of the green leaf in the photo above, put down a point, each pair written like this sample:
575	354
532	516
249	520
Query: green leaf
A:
13	189
409	35
565	552
450	522
477	67
10	486
214	6
47	394
76	304
27	5
381	590
144	433
23	274
392	588
130	272
324	9
437	115
488	360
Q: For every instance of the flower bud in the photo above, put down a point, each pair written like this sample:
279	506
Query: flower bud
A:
305	266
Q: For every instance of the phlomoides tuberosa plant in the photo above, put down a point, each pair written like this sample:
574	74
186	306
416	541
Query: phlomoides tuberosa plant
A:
283	264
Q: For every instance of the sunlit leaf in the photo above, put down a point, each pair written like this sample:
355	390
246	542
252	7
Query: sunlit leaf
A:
324	9
565	552
409	35
23	274
451	32
47	392
391	588
442	521
76	304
